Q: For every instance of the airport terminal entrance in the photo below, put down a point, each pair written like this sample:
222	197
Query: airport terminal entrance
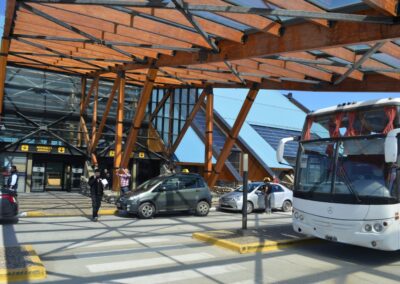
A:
54	173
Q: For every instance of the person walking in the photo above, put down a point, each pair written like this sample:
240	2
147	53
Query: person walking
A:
124	178
96	193
12	182
267	195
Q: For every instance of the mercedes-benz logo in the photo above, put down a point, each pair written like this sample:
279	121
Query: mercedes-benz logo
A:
330	210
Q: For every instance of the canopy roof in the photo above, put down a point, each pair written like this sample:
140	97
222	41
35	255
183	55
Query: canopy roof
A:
345	45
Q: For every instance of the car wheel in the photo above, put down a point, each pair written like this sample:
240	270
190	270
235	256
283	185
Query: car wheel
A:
286	206
250	207
146	210
202	208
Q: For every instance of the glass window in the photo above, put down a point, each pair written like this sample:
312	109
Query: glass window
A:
252	186
188	182
315	167
276	188
361	169
171	184
18	160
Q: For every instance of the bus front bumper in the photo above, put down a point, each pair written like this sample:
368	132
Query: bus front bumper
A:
350	231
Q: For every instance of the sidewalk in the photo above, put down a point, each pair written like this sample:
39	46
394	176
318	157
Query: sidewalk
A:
49	204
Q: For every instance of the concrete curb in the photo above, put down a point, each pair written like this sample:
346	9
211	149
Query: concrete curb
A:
251	247
37	271
103	212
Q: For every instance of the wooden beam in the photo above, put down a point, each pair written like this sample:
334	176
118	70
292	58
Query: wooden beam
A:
209	135
305	36
387	7
105	114
190	118
5	46
119	128
94	119
234	133
171	121
81	101
89	94
139	115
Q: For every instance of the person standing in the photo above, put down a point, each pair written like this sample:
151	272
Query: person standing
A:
124	178
267	195
96	193
12	182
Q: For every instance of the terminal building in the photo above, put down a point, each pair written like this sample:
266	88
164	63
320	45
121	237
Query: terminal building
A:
40	132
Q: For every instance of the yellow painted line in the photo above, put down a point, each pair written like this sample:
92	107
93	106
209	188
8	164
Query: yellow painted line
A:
47	214
35	271
250	247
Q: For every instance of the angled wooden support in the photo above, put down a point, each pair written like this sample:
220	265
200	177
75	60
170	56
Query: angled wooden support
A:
209	135
119	128
190	118
81	104
160	104
234	133
86	102
139	114
5	46
105	114
171	121
94	119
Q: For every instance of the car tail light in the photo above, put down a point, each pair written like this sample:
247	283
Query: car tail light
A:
8	197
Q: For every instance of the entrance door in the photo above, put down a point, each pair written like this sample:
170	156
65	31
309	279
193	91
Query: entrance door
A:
76	173
38	171
54	176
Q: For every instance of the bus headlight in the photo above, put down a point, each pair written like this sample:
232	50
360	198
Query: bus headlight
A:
296	215
301	217
378	227
368	228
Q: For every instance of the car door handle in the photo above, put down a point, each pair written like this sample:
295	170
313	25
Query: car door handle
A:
198	190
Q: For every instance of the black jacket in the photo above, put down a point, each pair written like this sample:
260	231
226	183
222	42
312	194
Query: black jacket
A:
96	186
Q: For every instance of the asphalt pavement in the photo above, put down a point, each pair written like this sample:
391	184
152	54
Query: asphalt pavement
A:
162	250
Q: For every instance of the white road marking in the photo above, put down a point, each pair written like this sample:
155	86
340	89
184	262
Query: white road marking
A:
99	243
187	274
192	257
129	264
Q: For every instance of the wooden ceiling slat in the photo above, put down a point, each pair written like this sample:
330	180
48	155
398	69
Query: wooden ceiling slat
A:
387	7
208	26
341	52
357	75
87	22
300	5
371	63
391	49
255	21
309	71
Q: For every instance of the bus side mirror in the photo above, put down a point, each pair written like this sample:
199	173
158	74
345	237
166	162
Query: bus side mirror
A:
391	149
281	148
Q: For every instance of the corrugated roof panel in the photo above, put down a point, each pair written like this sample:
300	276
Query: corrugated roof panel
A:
273	135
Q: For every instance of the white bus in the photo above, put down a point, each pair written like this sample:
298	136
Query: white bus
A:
348	176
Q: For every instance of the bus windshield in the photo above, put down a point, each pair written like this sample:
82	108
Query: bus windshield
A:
346	171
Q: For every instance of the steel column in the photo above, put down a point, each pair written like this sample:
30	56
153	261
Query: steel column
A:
119	127
139	115
171	121
234	133
209	134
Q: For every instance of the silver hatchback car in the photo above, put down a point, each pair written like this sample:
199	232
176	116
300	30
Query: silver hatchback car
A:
281	198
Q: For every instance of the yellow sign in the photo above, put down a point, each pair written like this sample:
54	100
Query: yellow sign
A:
141	155
61	150
25	148
43	149
111	153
